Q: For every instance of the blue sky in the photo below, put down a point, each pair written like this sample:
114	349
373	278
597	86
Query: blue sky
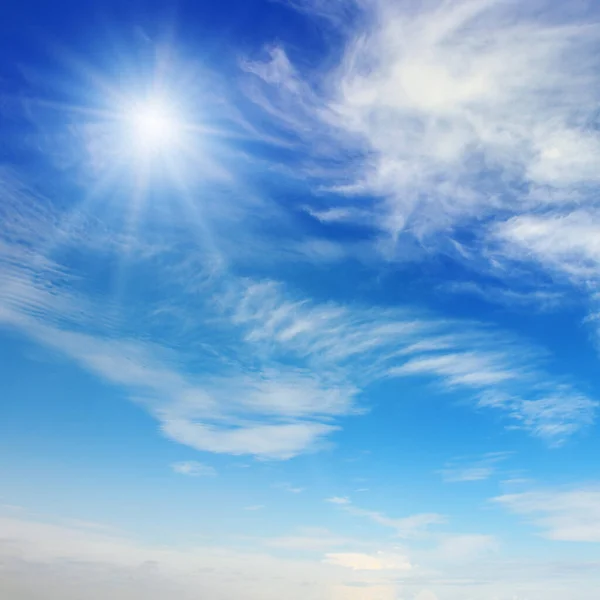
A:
299	299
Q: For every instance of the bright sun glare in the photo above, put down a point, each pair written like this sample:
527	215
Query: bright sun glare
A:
155	127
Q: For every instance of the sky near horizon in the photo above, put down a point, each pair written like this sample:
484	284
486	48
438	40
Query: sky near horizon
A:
299	299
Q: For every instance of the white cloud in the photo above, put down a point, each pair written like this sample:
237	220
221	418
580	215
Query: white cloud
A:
312	540
471	369
567	243
277	371
369	562
473	470
554	415
193	468
404	527
42	560
278	441
447	126
569	515
338	500
464	548
404	344
525	298
61	562
278	411
473	473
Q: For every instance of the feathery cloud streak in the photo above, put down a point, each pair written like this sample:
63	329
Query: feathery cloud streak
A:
286	369
428	111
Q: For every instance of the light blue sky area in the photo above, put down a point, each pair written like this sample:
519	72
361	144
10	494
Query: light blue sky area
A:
299	300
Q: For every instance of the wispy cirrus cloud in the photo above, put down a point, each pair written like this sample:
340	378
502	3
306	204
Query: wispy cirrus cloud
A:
278	371
562	514
278	411
515	297
404	527
567	243
428	112
402	344
461	470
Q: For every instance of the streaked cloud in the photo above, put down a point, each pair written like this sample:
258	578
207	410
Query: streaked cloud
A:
404	527
563	242
290	367
513	298
193	468
429	113
561	514
461	470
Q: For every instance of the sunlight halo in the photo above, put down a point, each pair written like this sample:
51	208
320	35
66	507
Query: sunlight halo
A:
154	127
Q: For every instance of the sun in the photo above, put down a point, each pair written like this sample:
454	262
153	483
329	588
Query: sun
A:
153	127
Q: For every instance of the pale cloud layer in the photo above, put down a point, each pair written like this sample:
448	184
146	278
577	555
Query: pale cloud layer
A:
369	562
412	526
61	562
569	514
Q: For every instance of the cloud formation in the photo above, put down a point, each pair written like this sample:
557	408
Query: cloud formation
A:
568	514
404	527
279	370
438	106
473	470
